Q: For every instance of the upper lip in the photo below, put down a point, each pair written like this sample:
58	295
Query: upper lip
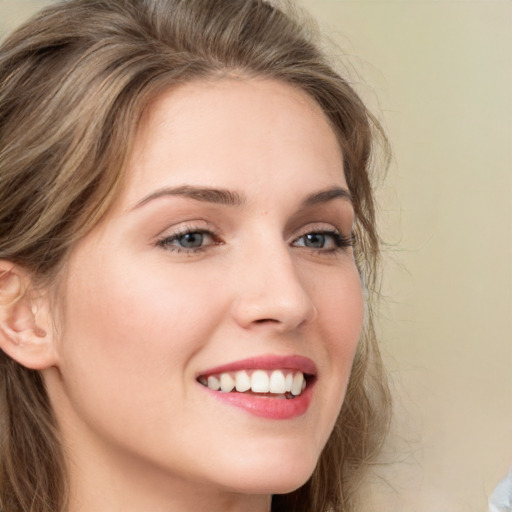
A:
266	362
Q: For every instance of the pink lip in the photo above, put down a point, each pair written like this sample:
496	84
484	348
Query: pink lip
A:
267	362
266	406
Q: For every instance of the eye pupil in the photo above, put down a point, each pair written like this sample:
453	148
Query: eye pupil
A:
191	240
315	240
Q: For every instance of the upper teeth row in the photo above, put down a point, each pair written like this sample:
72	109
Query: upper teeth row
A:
260	381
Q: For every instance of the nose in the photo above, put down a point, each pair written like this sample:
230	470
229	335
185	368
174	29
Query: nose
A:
271	293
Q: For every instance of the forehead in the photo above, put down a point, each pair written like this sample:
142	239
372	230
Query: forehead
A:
233	133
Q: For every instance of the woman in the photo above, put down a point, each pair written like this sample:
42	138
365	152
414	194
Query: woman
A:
187	226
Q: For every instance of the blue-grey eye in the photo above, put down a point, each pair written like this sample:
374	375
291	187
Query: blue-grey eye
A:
314	240
324	241
191	240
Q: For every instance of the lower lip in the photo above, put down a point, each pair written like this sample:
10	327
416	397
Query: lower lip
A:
268	407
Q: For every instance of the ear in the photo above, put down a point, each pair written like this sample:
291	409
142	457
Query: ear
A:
24	319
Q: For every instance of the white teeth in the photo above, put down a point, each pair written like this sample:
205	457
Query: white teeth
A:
297	384
243	381
227	383
260	382
289	382
213	383
277	383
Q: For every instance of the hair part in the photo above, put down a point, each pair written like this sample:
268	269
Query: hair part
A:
74	84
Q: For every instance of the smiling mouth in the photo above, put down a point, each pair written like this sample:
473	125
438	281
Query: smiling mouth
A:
285	384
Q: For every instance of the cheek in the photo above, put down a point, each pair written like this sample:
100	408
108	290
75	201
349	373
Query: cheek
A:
138	329
136	306
340	315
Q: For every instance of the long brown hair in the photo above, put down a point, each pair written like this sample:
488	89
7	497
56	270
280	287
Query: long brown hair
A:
74	82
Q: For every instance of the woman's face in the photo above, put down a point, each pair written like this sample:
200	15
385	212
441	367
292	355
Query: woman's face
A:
225	262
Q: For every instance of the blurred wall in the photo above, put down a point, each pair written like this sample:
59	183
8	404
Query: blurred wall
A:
439	76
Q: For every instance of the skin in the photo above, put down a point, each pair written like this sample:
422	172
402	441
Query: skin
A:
139	319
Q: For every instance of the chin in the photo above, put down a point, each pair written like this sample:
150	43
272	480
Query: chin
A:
283	483
274	475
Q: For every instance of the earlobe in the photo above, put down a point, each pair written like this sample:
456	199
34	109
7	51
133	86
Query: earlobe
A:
22	337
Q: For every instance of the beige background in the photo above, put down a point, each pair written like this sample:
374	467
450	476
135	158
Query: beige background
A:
439	75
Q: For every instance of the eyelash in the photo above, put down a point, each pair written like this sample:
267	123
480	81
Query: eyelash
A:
166	242
341	242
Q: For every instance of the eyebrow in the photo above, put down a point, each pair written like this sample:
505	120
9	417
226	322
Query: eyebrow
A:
324	196
232	198
208	195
